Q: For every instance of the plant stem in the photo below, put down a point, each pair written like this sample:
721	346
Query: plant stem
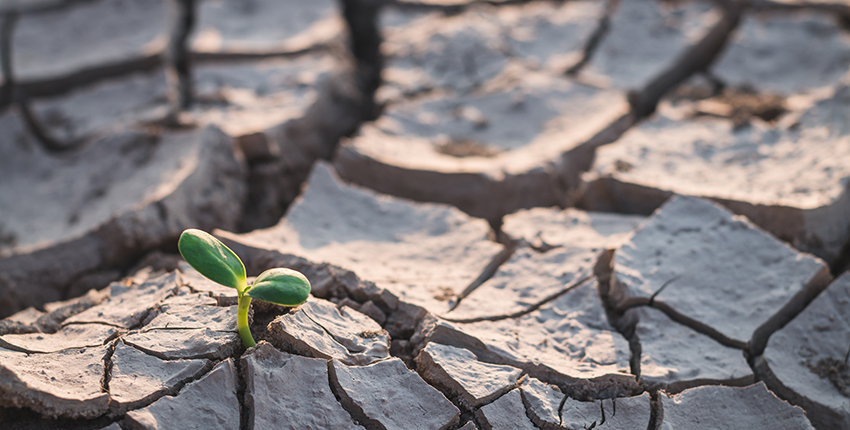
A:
242	321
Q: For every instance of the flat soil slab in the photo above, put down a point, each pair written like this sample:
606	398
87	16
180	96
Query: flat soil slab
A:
529	111
212	400
104	107
457	372
283	112
579	415
86	35
252	96
723	408
460	52
194	317
387	395
526	280
624	413
80	37
241	98
548	408
264	26
509	146
423	253
120	174
716	270
500	128
102	205
542	402
188	332
137	379
186	298
644	39
65	383
569	336
549	228
505	413
276	382
180	344
786	53
558	250
679	357
319	329
805	361
55	313
74	336
788	178
128	305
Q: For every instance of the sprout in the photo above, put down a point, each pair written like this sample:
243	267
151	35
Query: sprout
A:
213	259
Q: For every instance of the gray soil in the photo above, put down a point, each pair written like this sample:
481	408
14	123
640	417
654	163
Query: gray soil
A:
620	214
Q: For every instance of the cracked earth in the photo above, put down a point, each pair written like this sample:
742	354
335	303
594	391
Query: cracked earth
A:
622	214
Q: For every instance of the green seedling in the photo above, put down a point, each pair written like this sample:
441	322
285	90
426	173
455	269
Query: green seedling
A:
213	259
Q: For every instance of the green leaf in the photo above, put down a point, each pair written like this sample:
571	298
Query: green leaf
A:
281	286
211	258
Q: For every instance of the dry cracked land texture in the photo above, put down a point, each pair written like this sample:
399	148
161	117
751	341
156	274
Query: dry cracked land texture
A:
618	215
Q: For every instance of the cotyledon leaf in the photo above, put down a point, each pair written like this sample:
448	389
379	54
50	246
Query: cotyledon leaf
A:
211	258
281	286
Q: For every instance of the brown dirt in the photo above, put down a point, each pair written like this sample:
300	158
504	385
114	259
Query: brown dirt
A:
836	370
467	148
445	293
740	105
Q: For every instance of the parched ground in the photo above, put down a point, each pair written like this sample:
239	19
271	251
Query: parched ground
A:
622	214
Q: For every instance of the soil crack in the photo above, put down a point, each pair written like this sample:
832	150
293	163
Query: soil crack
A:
107	366
595	38
698	326
581	281
697	58
334	338
492	267
245	418
347	402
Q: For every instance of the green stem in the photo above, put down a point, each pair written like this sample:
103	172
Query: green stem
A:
242	320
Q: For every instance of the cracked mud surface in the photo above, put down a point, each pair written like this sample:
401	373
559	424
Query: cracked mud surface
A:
486	79
499	232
